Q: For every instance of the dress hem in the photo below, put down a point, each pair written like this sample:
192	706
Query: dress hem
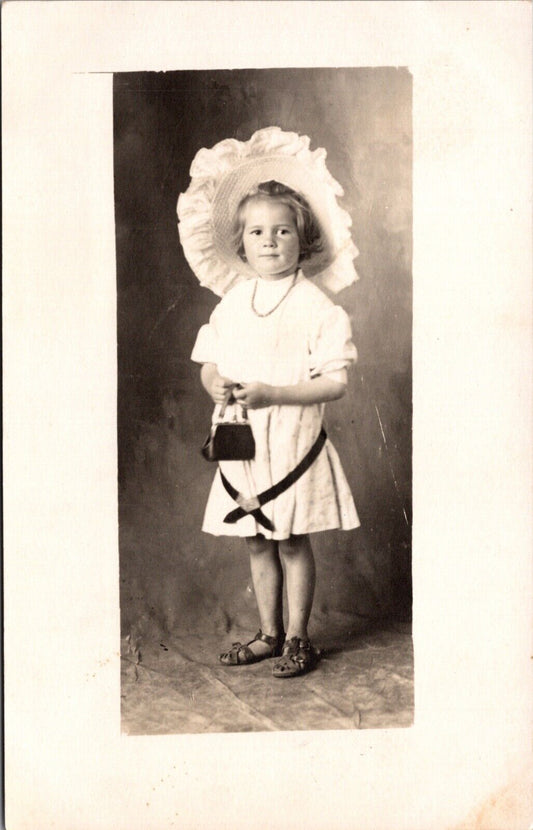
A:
274	538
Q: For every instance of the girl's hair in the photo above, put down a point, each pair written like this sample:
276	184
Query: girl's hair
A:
309	233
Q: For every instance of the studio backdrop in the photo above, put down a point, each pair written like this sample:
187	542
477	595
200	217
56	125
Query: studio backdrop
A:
174	577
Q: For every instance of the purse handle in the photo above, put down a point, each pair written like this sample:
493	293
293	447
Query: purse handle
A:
225	402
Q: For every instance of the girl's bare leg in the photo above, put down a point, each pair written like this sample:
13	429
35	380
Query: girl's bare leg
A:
297	556
267	578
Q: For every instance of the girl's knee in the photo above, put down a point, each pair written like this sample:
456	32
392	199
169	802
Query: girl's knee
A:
258	544
294	544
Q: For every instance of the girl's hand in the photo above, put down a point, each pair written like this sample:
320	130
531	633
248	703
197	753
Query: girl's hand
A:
215	385
219	388
254	395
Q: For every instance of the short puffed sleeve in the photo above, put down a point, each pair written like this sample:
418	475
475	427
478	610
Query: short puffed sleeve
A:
331	349
206	348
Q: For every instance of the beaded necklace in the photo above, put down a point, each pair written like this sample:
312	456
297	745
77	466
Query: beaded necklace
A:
272	310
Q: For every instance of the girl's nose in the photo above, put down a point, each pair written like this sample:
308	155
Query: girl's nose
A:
269	240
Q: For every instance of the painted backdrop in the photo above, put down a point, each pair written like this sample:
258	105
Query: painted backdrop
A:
173	577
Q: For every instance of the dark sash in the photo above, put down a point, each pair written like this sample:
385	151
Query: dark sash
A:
253	505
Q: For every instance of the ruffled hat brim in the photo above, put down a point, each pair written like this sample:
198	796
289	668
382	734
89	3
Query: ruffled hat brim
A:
223	175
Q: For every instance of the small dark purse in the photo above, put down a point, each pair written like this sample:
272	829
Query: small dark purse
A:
230	440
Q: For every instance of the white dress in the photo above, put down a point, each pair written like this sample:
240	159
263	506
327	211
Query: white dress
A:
306	336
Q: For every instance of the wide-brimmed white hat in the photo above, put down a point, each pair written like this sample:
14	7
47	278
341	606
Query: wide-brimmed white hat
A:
220	178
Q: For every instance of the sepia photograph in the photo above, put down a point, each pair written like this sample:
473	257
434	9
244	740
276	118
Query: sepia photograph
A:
272	312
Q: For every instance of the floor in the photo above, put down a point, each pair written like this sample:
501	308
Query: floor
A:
176	685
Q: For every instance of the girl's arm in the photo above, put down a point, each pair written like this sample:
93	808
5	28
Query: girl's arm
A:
214	384
319	390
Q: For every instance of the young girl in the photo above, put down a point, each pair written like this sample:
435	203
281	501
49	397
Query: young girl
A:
278	346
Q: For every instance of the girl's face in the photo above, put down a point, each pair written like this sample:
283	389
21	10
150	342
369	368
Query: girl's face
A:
270	239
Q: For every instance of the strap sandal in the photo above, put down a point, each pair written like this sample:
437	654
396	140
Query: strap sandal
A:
240	654
298	657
